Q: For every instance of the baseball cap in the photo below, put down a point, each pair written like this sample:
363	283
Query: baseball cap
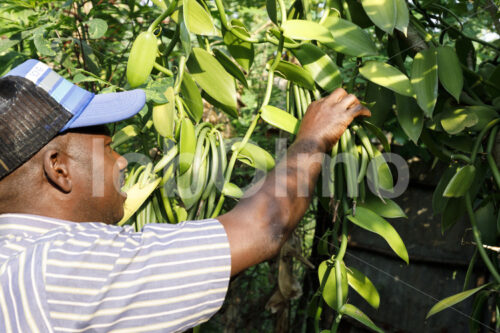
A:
46	104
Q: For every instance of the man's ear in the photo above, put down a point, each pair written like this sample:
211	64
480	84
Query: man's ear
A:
55	166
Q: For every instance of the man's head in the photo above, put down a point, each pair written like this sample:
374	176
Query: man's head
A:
55	157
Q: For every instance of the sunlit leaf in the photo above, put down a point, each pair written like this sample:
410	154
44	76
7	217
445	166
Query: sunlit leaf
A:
280	119
348	38
389	209
197	20
321	67
452	300
387	76
203	67
192	97
382	13
402	16
460	182
330	287
306	30
363	286
455	121
230	67
355	313
370	221
255	156
136	196
97	28
424	79
232	190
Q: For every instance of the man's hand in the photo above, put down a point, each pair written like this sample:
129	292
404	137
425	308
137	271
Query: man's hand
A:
260	224
326	119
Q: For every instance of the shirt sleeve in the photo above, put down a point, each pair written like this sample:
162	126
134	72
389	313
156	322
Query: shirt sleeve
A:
166	278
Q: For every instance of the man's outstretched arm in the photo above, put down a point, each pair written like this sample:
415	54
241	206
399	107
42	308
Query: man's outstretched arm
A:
259	225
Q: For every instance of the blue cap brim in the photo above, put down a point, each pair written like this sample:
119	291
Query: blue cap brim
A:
109	108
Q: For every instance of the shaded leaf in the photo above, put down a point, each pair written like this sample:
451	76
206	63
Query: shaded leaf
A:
454	209
272	11
449	71
296	74
370	221
97	28
438	200
410	117
321	67
486	223
124	135
387	76
424	79
192	97
230	67
348	38
243	52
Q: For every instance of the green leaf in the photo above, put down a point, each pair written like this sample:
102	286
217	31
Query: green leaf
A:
187	145
330	287
43	45
355	313
230	67
306	30
185	38
452	212
486	223
363	286
484	115
383	100
460	182
410	117
382	12
402	16
272	10
438	200
455	121
97	28
389	209
280	119
124	135
295	73
232	190
370	221
243	52
383	171
452	300
424	79
449	71
6	44
387	76
197	20
379	134
255	156
321	67
203	67
192	97
348	38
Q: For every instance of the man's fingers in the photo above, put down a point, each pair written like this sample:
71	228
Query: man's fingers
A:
360	110
336	96
349	101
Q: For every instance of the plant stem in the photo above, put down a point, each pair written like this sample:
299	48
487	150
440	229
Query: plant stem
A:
166	12
223	20
180	74
477	238
162	69
479	139
283	11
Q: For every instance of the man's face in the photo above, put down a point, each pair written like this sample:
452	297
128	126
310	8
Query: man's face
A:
96	174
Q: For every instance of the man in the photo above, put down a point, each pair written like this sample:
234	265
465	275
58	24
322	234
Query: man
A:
64	266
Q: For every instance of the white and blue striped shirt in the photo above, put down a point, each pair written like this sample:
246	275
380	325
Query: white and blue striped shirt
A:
61	276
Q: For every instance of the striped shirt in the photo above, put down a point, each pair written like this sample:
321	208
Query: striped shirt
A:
61	276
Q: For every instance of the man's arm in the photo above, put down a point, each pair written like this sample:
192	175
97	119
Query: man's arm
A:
259	225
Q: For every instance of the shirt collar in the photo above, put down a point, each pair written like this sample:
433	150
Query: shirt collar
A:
29	225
